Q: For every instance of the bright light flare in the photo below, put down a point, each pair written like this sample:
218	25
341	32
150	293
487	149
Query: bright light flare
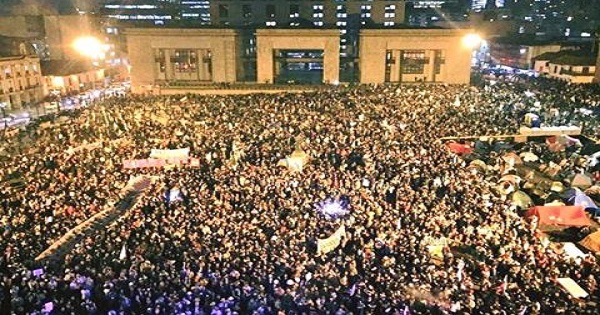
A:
90	47
471	41
332	209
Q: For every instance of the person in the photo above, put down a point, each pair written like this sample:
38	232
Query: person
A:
244	239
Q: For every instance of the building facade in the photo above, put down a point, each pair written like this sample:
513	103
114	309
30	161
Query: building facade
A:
186	57
415	55
63	77
182	57
20	81
567	65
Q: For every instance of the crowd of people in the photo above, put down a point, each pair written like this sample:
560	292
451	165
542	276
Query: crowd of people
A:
243	237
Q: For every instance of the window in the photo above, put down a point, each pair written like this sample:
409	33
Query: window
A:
271	23
318	23
185	60
586	70
388	23
247	11
318	15
223	10
270	10
365	15
294	10
365	7
390	15
340	23
413	61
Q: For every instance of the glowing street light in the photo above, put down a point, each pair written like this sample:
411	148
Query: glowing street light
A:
90	47
471	41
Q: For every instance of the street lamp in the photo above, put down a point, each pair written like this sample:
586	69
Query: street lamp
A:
472	40
90	47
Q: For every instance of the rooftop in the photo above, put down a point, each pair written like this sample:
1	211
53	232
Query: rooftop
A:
569	57
65	67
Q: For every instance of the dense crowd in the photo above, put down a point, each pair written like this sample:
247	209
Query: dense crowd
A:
243	239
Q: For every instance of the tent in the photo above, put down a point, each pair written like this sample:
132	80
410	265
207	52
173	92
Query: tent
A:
581	199
478	164
529	157
521	199
560	215
581	181
458	148
512	158
591	242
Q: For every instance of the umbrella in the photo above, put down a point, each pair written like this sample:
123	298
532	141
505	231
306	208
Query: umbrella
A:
557	187
512	158
513	179
529	157
583	200
478	164
521	199
502	146
481	146
581	181
459	149
570	193
505	188
592	242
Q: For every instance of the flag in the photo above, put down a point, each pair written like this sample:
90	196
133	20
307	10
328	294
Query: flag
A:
352	290
123	253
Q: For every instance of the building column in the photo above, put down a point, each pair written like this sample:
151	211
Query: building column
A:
428	71
169	65
395	67
331	61
264	62
204	66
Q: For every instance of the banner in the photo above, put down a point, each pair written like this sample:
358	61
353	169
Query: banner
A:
324	246
170	154
144	163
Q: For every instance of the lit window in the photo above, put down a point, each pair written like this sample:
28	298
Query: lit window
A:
271	23
388	23
365	15
318	23
318	15
390	15
340	23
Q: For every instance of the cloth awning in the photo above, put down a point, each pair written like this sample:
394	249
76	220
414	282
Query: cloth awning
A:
560	215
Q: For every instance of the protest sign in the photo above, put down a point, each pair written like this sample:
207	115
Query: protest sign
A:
324	246
170	154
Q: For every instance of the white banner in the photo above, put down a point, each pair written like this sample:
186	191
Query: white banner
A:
170	154
324	246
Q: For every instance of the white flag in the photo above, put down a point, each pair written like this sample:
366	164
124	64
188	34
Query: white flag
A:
123	253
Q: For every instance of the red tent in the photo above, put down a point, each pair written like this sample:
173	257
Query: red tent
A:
560	215
459	148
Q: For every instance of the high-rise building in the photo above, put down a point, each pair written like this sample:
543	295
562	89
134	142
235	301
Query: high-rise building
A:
247	16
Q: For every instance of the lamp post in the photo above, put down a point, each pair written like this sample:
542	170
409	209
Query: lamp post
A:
93	49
